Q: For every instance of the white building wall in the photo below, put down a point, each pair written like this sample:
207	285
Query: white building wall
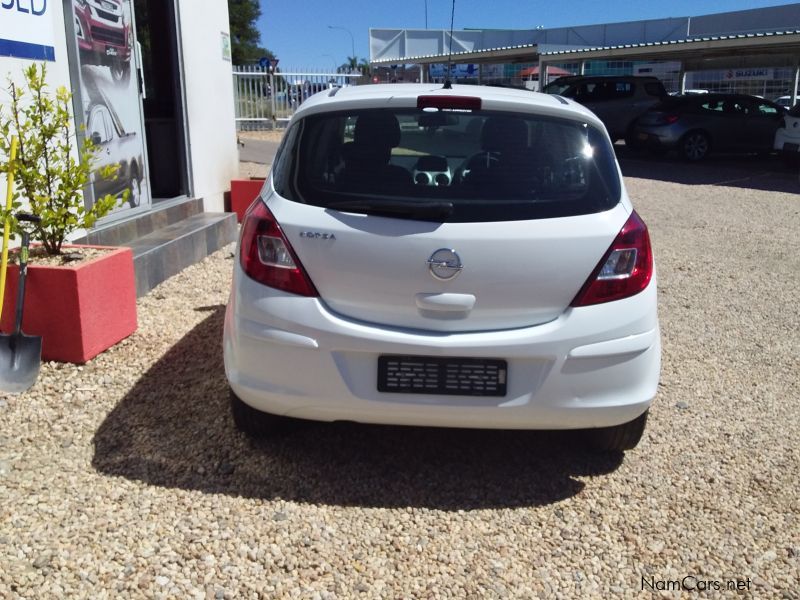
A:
209	100
57	72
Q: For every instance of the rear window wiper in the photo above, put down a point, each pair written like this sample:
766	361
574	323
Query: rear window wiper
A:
428	211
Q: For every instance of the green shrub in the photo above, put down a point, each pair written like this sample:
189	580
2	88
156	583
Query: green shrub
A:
51	169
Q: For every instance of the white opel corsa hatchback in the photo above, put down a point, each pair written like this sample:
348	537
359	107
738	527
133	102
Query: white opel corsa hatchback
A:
462	257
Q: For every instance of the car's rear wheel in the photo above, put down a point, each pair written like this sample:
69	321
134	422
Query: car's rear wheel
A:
695	145
253	422
618	438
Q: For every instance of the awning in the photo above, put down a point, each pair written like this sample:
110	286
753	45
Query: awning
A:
551	70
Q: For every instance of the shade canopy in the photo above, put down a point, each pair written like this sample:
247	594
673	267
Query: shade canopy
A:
551	70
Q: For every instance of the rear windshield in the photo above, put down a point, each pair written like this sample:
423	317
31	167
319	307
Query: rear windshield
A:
454	166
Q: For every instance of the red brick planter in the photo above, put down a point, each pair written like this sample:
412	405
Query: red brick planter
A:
78	310
243	192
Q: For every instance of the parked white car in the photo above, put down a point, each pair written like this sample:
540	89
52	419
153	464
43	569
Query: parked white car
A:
787	137
785	101
462	257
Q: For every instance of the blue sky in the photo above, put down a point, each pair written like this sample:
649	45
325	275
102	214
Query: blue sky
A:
297	30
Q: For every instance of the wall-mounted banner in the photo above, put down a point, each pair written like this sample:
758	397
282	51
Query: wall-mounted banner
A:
109	90
27	29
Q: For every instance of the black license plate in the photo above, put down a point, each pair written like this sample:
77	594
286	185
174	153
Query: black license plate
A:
787	147
442	376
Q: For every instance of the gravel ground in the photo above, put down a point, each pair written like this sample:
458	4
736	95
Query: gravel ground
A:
125	477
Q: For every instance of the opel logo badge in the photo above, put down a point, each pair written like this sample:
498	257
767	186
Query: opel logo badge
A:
444	264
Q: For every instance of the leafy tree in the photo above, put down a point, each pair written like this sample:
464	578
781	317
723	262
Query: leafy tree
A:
355	64
245	38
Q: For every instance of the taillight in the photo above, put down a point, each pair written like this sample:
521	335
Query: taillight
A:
266	255
670	119
625	269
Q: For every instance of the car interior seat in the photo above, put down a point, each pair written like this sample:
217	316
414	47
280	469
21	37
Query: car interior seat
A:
504	152
366	158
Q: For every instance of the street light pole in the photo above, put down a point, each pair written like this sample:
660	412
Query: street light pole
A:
426	14
352	39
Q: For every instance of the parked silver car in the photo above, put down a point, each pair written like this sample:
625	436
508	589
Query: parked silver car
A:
617	100
696	125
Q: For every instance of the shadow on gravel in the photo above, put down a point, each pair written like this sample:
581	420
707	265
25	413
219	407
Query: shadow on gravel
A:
173	429
765	173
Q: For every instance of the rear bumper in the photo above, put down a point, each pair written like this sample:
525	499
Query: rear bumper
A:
787	143
594	366
657	137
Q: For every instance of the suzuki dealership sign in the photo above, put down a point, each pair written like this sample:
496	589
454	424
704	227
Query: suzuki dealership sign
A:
748	74
26	29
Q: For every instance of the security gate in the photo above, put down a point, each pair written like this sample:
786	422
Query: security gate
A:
266	99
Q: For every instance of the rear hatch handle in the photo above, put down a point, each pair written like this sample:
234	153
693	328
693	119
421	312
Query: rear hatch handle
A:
447	302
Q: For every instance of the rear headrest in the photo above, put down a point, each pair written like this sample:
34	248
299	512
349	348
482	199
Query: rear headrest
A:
377	129
503	134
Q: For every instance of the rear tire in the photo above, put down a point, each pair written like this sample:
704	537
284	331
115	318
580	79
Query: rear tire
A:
618	438
695	146
254	423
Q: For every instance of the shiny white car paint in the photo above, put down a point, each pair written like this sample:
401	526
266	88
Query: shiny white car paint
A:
405	96
789	133
521	272
316	358
591	367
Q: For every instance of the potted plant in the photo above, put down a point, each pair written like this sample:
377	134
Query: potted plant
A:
80	299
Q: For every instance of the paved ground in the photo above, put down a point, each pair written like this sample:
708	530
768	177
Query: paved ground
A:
125	477
257	151
749	172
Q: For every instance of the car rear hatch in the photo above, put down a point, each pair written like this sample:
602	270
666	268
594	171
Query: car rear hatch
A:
449	220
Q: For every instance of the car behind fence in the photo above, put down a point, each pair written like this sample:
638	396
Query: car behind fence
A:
266	99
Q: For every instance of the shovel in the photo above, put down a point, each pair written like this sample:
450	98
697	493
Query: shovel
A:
20	354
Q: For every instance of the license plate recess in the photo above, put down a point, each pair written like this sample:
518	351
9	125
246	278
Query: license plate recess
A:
436	375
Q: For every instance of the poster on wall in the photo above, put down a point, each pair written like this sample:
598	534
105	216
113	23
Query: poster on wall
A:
109	93
27	30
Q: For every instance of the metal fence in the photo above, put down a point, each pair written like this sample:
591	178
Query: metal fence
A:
267	100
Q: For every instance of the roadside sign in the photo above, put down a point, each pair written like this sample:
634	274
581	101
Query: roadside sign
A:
266	62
